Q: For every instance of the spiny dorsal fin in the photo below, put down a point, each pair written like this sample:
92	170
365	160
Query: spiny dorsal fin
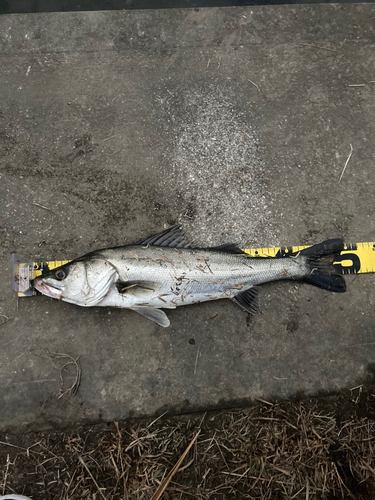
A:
228	248
248	300
172	237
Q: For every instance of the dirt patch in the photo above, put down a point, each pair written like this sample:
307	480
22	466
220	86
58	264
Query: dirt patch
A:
312	449
215	139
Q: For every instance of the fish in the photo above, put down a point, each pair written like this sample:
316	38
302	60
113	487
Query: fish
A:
164	272
14	497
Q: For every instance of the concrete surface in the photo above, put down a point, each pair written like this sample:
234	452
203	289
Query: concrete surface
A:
236	122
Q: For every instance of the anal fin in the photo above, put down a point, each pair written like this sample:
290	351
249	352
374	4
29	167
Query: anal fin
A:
156	315
248	300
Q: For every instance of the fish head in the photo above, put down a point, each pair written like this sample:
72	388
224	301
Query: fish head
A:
84	282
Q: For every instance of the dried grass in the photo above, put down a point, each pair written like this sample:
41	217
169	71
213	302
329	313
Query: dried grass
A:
67	361
271	451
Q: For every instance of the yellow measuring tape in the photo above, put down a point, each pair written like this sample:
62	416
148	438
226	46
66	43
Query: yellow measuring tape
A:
356	258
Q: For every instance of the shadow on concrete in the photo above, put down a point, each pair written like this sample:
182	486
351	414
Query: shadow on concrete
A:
359	400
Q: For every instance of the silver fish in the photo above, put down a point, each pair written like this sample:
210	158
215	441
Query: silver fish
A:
162	272
14	497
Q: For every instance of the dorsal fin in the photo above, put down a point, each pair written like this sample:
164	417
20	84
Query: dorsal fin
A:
172	237
228	248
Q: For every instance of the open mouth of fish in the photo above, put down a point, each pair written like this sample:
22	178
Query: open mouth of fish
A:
50	290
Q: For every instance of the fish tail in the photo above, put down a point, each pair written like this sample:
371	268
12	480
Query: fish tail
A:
321	271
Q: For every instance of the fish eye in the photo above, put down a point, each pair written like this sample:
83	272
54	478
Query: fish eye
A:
60	274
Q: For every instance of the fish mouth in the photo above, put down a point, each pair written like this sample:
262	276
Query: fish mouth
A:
50	290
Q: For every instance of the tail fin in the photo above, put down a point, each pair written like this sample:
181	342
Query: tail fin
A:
320	260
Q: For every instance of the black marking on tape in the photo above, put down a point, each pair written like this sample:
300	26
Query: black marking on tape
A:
353	269
285	252
351	246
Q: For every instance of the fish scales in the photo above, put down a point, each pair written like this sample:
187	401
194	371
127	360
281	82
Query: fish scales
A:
191	272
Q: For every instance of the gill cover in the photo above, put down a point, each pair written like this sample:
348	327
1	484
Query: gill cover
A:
82	282
99	276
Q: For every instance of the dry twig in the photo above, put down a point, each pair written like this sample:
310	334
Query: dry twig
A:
346	163
92	477
164	485
255	85
41	206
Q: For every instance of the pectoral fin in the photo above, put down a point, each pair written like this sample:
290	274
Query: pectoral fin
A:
156	315
137	288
